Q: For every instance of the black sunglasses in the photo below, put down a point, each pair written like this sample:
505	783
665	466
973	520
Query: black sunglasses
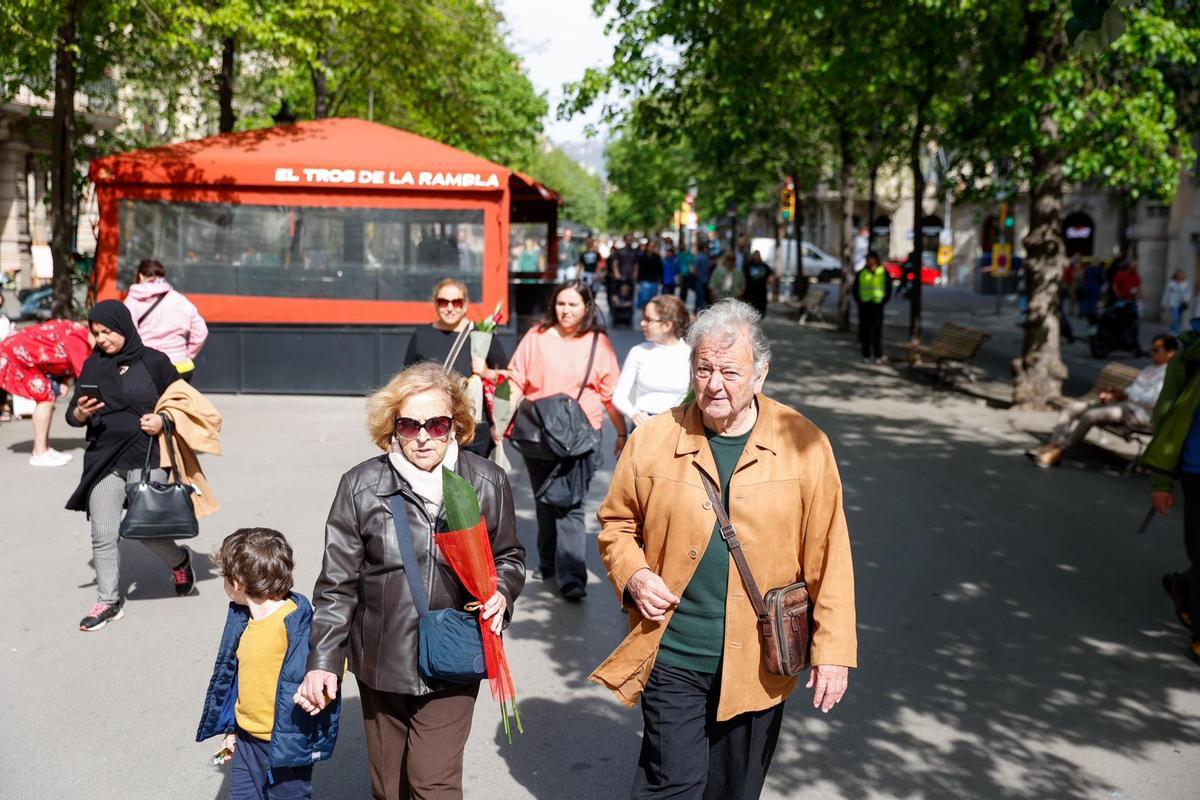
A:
436	427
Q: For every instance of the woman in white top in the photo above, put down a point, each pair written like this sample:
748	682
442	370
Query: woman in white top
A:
657	373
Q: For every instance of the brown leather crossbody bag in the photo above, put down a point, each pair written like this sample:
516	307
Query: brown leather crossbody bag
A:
784	615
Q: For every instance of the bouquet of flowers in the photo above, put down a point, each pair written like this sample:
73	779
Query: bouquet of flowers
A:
490	323
481	335
504	408
468	551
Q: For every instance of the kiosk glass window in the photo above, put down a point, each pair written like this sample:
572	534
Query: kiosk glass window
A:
303	251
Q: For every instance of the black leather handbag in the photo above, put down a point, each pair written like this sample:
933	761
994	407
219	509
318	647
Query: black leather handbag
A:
160	510
556	427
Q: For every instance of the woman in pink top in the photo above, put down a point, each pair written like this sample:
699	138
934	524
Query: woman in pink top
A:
166	320
551	360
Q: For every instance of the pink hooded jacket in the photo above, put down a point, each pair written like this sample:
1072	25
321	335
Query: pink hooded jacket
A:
175	327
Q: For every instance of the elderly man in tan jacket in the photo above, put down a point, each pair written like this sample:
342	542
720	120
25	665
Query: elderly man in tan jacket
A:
711	711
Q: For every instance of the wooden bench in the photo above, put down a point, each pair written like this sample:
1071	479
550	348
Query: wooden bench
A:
810	306
951	350
1112	377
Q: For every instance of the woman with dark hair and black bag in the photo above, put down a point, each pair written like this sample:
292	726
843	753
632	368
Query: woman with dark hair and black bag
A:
114	398
567	357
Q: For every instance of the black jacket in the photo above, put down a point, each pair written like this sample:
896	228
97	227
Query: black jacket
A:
361	604
115	439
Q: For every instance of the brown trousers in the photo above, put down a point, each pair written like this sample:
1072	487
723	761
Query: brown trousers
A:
415	743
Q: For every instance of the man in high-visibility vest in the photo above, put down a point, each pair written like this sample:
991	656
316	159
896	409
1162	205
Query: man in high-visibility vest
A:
872	289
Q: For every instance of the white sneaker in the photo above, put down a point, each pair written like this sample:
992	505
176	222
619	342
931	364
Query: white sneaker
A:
50	458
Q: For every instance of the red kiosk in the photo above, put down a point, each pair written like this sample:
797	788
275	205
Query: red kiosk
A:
312	249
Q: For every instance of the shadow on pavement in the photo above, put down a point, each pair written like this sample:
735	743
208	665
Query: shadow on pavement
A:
581	749
1010	624
143	576
57	444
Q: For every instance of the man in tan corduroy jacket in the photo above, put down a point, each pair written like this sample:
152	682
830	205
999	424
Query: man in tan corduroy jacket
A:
693	657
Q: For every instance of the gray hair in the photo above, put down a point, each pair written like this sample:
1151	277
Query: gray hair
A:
724	322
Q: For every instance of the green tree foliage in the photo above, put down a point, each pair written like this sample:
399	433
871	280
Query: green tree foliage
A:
648	180
1060	115
582	192
187	68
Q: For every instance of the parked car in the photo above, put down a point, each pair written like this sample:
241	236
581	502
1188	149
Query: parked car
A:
36	304
817	263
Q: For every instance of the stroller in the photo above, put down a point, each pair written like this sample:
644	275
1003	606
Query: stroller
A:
620	303
1117	329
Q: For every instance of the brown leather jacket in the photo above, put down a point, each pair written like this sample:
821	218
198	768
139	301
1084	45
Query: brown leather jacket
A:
786	503
362	608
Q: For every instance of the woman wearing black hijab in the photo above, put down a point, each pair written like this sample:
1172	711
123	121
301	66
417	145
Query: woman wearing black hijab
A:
121	429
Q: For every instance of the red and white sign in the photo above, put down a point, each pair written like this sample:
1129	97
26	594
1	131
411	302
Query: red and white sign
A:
319	176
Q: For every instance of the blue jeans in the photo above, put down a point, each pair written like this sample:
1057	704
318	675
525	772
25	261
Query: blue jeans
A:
250	774
1176	319
646	292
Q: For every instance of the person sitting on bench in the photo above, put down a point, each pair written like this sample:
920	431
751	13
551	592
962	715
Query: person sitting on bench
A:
1132	406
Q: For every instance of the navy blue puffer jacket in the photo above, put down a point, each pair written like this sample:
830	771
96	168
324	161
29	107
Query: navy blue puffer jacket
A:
297	739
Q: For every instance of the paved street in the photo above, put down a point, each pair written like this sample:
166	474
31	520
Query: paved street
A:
1014	641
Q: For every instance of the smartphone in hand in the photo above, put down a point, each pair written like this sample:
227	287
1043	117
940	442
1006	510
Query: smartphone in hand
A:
90	391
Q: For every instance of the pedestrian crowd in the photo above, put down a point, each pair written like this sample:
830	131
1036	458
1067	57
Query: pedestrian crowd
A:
634	272
693	523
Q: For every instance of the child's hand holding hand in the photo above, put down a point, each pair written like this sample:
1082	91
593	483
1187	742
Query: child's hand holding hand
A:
318	689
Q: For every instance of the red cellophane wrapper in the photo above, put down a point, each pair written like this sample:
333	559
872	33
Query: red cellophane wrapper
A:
469	554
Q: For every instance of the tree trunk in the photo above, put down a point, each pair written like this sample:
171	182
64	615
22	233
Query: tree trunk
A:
914	292
1039	373
846	198
225	83
62	164
800	288
871	208
320	82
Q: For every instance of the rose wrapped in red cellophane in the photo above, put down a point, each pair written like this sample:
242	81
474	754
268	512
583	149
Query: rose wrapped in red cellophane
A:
468	550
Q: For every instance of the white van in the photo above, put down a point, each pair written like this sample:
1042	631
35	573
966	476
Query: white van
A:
817	263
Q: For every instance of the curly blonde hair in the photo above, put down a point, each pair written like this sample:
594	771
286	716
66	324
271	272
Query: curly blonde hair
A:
385	404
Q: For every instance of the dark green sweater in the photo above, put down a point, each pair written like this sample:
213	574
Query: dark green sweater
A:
695	637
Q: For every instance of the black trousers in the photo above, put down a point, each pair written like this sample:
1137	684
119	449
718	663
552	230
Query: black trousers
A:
687	754
870	329
1191	545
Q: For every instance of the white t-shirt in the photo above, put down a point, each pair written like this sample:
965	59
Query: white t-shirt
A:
655	378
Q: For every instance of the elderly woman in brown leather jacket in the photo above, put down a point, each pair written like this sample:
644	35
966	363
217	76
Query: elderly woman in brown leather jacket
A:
416	730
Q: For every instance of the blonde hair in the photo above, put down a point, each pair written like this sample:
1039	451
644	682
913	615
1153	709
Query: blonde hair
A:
444	282
385	404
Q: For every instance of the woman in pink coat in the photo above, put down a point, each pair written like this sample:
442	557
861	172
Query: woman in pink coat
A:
166	320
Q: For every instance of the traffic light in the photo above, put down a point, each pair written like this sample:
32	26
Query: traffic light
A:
787	203
1006	219
1009	221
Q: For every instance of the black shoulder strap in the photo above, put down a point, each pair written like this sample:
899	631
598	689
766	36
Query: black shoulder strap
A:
153	306
591	358
412	570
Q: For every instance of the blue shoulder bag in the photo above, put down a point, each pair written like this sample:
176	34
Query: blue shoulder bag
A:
450	644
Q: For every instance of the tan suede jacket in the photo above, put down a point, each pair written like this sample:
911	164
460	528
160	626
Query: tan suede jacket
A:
786	503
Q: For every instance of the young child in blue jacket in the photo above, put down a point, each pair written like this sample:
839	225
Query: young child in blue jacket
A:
261	662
